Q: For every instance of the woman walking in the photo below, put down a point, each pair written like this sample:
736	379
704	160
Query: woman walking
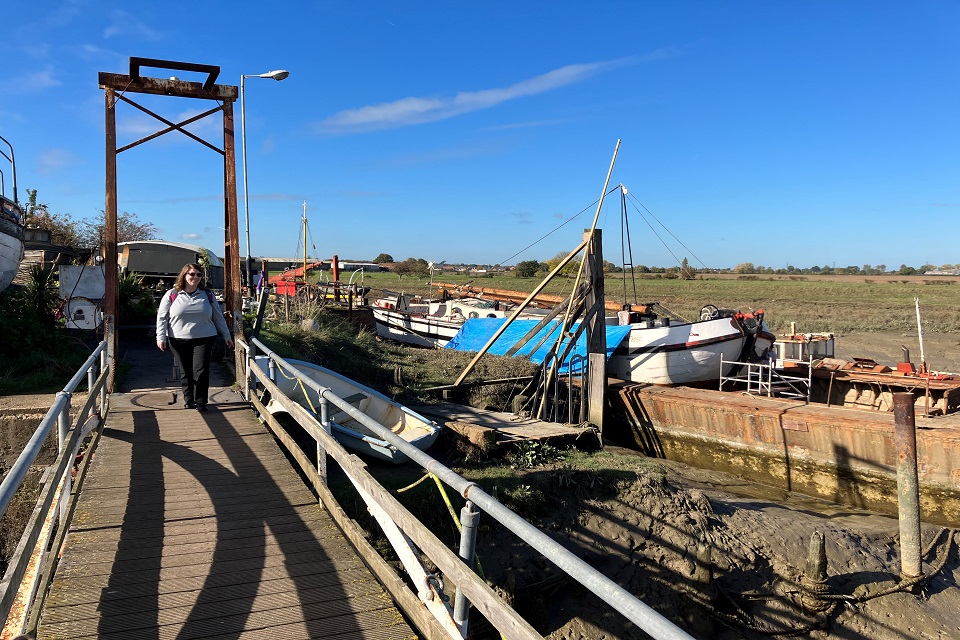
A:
189	319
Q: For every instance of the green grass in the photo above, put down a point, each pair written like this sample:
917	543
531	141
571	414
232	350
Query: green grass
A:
840	305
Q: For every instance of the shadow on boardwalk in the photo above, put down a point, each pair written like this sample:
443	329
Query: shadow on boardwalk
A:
195	526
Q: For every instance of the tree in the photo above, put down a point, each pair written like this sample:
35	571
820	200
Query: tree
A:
411	265
382	258
63	230
745	267
686	271
569	269
129	229
527	268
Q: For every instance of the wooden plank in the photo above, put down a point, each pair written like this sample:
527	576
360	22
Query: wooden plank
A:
195	525
509	427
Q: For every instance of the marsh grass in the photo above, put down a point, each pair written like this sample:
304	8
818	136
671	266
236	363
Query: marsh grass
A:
844	304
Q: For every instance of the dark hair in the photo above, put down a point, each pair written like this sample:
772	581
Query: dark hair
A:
181	282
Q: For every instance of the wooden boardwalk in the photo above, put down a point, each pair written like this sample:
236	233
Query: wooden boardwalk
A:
195	525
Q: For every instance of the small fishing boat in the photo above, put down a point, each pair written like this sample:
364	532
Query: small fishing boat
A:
11	224
409	425
659	350
642	347
432	323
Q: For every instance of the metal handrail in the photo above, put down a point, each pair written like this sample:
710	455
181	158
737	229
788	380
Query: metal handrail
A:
765	379
606	589
54	498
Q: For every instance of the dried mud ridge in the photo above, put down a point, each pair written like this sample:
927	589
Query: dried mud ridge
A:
721	566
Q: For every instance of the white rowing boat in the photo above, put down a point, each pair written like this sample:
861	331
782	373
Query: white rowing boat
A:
403	422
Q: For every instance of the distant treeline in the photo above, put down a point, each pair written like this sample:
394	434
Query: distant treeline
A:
852	270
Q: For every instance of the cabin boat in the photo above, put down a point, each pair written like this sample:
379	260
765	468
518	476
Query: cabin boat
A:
405	423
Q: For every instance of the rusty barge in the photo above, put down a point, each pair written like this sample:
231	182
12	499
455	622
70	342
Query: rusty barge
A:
843	454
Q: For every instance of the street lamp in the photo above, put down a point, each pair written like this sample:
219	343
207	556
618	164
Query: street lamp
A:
279	74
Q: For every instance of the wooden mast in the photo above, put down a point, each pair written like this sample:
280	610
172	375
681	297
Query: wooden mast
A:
592	310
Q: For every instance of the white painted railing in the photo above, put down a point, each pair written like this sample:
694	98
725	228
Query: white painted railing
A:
33	561
410	537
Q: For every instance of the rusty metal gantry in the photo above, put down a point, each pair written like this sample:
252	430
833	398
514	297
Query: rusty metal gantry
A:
115	86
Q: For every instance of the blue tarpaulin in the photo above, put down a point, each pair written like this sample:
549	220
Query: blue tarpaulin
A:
476	332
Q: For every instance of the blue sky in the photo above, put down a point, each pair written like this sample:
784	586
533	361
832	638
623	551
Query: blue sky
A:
780	133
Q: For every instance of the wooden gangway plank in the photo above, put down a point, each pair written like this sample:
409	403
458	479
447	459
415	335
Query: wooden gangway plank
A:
195	525
501	428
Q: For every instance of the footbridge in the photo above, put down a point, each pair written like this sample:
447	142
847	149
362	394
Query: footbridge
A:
157	521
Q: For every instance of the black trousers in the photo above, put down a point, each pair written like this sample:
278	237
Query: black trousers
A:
193	358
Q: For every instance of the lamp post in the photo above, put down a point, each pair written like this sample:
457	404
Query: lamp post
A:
279	74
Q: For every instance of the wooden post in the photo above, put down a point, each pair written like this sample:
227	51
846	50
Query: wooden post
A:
119	87
231	266
596	332
110	302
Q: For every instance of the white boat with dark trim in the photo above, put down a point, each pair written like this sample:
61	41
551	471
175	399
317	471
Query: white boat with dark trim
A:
11	224
430	323
419	431
660	350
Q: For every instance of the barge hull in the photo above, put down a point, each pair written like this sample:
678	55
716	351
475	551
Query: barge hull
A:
843	455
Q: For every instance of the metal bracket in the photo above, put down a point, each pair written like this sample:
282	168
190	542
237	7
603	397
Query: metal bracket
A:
212	71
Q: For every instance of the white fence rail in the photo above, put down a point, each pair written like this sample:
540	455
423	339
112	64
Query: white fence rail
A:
33	561
410	537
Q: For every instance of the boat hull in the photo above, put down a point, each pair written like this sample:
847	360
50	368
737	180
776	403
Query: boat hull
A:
416	330
430	323
679	353
409	425
11	250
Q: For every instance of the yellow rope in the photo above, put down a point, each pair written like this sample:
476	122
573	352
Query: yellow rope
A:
443	493
302	388
407	488
446	499
453	513
307	397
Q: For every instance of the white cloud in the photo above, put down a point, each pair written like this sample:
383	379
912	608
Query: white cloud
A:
408	111
31	81
63	13
52	161
126	25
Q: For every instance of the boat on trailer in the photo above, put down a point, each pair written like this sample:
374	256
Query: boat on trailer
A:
11	224
419	431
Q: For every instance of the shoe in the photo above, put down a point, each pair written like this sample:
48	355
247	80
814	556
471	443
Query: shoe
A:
189	405
202	408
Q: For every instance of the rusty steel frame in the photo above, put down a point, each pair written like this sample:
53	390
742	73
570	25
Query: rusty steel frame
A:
115	86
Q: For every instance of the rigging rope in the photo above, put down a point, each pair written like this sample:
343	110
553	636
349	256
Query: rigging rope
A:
636	203
544	237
